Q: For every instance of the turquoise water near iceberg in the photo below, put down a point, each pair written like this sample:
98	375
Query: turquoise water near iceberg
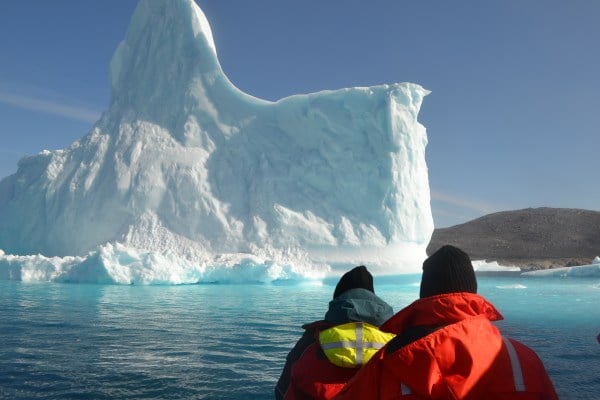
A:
229	341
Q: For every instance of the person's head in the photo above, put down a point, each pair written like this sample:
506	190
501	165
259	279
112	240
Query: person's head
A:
448	270
357	277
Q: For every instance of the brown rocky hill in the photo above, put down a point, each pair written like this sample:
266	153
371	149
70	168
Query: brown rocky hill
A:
532	238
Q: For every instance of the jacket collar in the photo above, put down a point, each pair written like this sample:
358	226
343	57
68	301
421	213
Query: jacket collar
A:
441	309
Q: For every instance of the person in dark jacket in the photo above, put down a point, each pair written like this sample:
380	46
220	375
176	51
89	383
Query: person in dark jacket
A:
315	370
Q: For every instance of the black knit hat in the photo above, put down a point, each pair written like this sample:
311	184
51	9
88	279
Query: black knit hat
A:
357	277
448	270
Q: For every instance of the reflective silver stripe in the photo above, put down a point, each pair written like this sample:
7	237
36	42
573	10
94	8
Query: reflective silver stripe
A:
359	344
404	389
516	365
350	344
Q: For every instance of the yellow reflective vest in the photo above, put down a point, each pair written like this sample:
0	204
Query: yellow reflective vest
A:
353	344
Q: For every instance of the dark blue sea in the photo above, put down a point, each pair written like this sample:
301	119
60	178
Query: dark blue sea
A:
229	341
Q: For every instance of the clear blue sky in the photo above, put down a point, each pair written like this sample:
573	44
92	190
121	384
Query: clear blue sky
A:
512	118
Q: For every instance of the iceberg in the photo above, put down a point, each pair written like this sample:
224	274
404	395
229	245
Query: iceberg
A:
185	175
493	266
579	271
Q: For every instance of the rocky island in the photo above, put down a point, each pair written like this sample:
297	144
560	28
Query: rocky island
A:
532	238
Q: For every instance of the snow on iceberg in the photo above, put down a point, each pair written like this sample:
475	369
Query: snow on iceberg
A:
183	164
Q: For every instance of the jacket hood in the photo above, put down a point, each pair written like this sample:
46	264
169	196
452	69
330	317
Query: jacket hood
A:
442	309
450	363
358	305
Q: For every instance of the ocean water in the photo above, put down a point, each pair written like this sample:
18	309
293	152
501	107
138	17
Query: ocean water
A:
229	341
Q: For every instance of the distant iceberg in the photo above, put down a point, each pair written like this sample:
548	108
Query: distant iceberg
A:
581	271
492	266
185	174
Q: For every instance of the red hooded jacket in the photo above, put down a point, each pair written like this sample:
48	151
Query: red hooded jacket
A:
314	377
308	373
447	348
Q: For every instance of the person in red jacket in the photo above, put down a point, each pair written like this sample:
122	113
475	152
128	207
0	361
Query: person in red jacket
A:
446	346
331	350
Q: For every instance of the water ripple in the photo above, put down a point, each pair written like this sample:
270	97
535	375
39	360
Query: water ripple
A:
206	341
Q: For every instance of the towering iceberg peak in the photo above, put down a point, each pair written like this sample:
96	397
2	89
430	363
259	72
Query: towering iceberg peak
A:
166	68
187	166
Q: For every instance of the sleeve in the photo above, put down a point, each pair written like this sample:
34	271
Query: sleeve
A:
548	390
364	385
536	375
284	380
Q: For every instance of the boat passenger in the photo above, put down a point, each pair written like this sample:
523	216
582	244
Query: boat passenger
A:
446	346
331	350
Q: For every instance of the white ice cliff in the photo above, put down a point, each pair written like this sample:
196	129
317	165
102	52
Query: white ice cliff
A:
183	164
